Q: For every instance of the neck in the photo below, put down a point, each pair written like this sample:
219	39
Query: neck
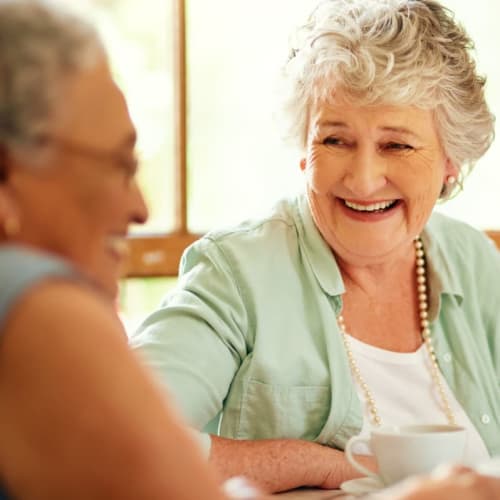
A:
380	273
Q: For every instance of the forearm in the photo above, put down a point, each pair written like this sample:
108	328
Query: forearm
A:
281	464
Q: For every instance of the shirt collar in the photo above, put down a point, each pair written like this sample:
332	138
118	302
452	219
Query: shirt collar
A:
317	251
441	278
325	268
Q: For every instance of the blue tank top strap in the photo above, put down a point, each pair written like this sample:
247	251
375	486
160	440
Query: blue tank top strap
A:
21	268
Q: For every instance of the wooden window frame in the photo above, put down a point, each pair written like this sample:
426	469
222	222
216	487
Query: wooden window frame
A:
159	255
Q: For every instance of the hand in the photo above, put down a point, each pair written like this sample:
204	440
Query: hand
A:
239	488
342	471
446	483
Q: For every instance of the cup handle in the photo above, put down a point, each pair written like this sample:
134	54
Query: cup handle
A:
353	461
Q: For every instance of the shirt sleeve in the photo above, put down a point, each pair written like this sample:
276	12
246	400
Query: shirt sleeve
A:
488	282
198	338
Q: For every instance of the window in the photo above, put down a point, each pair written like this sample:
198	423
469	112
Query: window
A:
200	80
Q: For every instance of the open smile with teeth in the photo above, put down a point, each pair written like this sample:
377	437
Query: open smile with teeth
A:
118	245
373	207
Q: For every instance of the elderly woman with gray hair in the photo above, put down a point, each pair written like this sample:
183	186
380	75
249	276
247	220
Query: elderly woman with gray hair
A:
350	306
79	417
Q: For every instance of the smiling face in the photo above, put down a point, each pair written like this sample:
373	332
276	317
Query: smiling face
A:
373	176
81	202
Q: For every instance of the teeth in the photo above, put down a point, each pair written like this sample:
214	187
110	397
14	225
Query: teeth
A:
118	245
369	208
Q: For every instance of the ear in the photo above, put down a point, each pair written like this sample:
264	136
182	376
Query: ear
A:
450	177
3	163
9	217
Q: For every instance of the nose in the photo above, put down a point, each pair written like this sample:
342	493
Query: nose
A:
139	212
366	174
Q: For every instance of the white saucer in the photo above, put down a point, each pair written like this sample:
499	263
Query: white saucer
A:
361	485
490	468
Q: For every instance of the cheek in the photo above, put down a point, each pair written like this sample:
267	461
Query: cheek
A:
421	207
419	177
104	202
320	174
423	190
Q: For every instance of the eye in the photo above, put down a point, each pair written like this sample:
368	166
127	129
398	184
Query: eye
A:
333	141
129	163
397	146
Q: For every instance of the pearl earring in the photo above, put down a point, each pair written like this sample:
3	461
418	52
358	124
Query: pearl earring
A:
450	180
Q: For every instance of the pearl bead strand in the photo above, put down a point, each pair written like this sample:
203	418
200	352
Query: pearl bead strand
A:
426	337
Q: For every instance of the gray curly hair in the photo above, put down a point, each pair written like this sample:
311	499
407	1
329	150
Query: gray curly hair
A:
402	52
41	43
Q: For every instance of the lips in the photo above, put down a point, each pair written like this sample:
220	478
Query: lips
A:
370	207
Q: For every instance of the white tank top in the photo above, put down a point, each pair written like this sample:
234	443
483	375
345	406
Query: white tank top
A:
405	394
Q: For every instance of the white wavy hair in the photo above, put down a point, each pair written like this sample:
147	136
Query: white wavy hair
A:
41	44
401	52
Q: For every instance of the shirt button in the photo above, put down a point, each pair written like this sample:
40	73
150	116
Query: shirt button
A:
485	419
447	357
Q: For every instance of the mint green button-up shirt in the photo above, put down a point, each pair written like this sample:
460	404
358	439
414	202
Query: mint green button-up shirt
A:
251	329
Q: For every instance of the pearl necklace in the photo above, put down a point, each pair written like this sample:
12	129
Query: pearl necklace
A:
426	336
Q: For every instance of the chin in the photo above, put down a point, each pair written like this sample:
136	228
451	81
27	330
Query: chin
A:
107	283
367	248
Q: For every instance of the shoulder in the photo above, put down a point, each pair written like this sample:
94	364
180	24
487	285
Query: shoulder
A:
61	303
55	317
466	260
457	240
21	269
18	261
259	238
279	220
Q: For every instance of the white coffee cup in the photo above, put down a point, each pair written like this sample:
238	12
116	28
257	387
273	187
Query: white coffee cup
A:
402	451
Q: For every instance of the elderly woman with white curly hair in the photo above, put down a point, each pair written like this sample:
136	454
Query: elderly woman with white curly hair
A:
80	418
351	305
